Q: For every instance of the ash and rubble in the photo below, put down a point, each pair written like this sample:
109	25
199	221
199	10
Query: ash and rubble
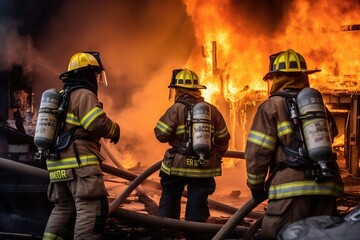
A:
230	193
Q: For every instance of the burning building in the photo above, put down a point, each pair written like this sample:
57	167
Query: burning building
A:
236	49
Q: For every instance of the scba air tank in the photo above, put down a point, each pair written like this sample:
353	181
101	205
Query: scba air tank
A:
315	127
201	129
47	120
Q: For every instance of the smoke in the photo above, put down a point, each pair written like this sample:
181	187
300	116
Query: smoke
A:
140	42
261	18
14	46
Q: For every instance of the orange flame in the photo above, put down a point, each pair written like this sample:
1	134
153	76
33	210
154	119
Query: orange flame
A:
236	52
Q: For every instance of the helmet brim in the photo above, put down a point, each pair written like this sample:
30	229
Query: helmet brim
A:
194	87
67	73
271	74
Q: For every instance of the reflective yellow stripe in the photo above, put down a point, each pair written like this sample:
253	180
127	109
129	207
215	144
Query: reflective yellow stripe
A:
304	188
180	129
262	140
163	127
222	133
112	130
91	116
284	128
71	162
51	236
72	119
189	172
255	179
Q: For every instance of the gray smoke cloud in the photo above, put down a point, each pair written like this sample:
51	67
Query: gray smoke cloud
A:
140	42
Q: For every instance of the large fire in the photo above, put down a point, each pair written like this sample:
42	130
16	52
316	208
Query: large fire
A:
236	51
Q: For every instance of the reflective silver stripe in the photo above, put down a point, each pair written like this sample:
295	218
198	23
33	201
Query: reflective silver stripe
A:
222	133
72	119
71	162
190	172
262	140
284	128
304	188
180	129
163	127
255	179
91	116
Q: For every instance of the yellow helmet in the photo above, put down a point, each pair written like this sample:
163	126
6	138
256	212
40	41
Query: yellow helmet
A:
287	61
83	60
185	78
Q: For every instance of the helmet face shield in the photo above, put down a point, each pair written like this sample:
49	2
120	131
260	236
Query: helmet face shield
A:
101	78
172	93
269	85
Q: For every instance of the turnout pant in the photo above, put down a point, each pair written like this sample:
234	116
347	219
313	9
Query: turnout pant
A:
198	191
81	206
285	211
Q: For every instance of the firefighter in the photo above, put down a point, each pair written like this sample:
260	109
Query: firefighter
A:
273	153
76	181
191	162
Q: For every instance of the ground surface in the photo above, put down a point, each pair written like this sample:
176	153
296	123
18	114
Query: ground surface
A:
231	190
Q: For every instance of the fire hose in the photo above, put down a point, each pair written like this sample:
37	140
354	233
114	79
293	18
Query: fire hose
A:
164	222
139	179
38	172
224	231
236	218
174	224
24	168
129	176
150	205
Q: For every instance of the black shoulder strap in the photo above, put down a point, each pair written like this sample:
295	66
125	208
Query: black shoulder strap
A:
186	103
187	121
65	97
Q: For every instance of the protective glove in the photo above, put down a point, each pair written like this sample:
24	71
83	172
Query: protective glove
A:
116	137
259	195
